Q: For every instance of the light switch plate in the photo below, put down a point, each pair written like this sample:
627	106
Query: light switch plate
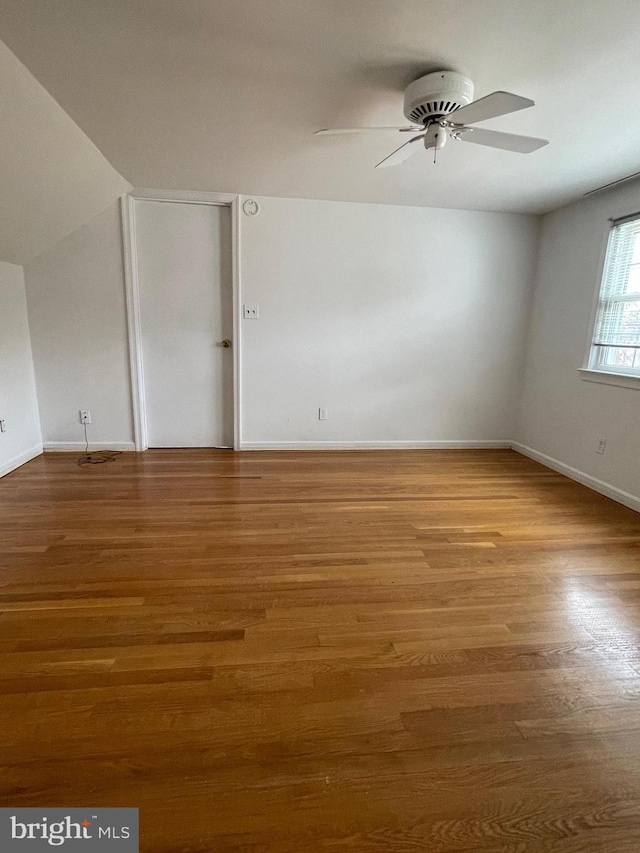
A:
250	312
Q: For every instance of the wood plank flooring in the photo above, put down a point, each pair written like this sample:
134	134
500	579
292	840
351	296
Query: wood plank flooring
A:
350	651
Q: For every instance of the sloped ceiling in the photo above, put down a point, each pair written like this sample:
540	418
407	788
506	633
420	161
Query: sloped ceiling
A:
225	94
52	177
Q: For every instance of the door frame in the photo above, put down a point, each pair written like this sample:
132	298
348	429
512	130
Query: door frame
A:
132	296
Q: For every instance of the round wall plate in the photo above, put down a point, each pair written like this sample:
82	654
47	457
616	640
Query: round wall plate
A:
251	207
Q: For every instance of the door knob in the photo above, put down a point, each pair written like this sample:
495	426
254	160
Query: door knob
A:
226	343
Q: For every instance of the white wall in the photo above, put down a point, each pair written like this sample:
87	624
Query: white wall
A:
18	403
78	325
562	415
406	323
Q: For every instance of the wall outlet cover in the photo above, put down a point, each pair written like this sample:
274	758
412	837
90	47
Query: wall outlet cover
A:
250	312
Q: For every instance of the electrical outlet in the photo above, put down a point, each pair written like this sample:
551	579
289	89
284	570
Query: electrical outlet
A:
250	312
85	416
3	426
602	446
322	414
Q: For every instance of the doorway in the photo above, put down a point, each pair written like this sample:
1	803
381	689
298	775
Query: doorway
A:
183	306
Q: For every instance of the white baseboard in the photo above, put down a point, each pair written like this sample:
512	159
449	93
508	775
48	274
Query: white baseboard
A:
622	497
600	486
78	446
374	445
11	464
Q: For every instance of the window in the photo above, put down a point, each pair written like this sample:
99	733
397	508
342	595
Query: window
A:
616	337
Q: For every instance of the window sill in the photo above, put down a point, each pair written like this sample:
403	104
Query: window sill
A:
622	380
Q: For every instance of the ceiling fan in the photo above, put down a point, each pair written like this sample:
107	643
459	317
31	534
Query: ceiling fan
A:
441	107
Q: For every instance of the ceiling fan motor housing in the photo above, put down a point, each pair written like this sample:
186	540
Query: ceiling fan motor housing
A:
436	95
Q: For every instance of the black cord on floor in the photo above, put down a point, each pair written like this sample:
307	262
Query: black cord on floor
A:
98	457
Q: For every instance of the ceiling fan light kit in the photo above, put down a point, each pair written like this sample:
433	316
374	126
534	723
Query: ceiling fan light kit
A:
441	107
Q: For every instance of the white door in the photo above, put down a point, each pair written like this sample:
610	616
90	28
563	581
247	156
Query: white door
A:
184	272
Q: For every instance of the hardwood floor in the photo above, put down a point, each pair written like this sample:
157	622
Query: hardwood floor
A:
350	651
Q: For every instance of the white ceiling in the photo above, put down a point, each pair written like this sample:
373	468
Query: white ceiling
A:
52	177
225	94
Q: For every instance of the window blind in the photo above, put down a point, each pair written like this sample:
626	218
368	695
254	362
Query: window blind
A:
618	319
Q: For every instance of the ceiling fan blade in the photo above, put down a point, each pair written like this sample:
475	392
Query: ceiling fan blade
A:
400	154
491	106
334	131
506	141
